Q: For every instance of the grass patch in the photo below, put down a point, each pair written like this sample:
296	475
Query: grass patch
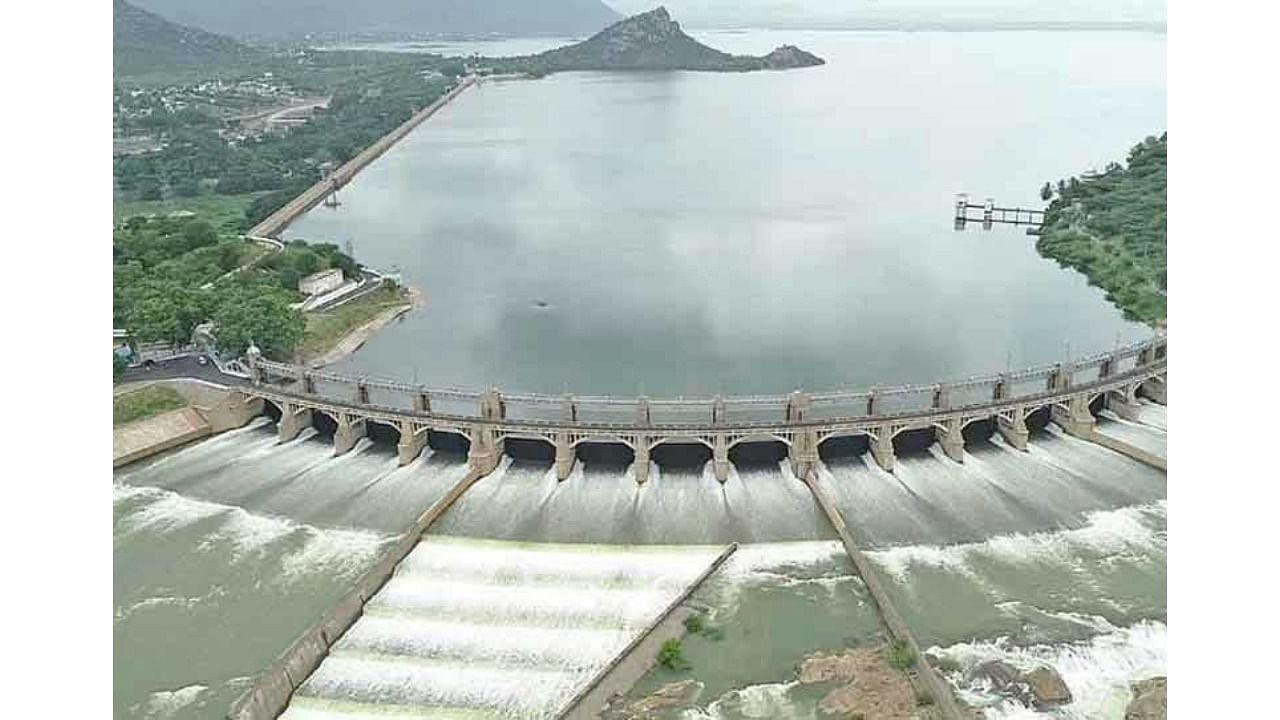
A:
144	403
900	655
671	656
226	213
696	624
326	329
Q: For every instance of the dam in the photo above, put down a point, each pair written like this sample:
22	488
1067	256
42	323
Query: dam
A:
519	556
1001	486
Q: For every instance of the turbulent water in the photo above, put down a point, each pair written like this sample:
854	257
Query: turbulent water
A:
1088	601
682	233
225	552
523	501
773	603
485	629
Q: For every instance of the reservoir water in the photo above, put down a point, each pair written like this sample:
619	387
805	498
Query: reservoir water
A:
689	233
681	233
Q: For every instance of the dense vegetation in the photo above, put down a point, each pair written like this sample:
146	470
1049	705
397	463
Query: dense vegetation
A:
1111	226
172	274
371	94
143	43
180	210
307	19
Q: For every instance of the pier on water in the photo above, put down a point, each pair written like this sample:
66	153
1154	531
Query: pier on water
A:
989	215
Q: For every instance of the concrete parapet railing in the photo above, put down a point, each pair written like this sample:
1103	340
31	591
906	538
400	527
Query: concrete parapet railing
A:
580	706
939	689
272	689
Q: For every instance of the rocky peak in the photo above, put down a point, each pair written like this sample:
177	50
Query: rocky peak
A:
790	56
648	28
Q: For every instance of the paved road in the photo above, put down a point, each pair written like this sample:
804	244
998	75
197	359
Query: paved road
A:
182	367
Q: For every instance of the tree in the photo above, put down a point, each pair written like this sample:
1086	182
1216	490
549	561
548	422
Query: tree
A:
198	234
260	314
187	187
148	188
162	310
1046	192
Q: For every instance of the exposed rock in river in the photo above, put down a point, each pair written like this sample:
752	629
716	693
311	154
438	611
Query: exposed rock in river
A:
1041	687
872	689
1150	700
650	41
1047	687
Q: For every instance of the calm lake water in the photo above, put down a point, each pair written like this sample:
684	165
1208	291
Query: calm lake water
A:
681	233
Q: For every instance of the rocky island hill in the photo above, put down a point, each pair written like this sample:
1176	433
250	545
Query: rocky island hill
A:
649	41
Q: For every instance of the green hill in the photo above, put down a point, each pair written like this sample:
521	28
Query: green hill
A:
651	41
1112	227
276	20
145	44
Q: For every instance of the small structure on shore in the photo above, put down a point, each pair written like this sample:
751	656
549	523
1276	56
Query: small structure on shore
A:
321	282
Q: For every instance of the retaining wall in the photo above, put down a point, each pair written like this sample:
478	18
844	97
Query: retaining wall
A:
144	438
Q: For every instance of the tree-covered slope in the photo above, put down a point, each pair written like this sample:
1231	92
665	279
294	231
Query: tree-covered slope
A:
1111	226
145	43
272	20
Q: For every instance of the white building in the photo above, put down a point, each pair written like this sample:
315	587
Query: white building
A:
321	282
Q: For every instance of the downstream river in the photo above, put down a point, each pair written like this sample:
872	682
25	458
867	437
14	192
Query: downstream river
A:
682	233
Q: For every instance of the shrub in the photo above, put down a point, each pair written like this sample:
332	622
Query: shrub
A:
694	623
900	655
671	656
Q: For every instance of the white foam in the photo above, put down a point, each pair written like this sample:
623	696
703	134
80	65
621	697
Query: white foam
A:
767	700
773	559
167	704
167	511
490	625
345	551
340	550
518	692
565	647
524	603
163	601
1098	672
590	564
248	533
1125	531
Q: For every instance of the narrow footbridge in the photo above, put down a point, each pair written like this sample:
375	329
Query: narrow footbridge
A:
1068	394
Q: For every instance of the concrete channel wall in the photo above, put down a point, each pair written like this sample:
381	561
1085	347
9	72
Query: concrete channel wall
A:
269	695
628	666
212	409
1128	450
939	689
144	438
275	223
